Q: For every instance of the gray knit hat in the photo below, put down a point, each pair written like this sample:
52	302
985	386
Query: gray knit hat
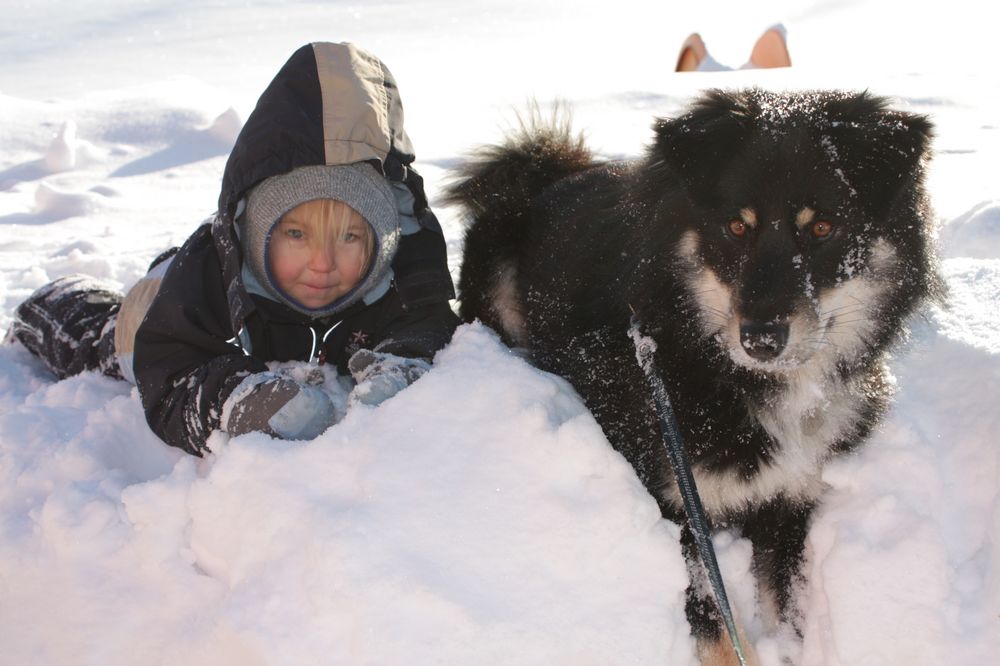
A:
359	185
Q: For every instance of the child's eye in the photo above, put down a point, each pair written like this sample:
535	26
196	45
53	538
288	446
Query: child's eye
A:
294	234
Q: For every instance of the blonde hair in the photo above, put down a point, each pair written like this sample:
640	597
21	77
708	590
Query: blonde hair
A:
333	219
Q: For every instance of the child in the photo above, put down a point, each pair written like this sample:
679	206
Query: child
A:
323	249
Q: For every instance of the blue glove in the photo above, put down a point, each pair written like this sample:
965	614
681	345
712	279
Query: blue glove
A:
381	376
281	407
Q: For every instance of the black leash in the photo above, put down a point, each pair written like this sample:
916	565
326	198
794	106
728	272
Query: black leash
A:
645	348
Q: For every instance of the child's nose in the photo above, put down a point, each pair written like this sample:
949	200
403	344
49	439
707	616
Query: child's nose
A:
322	258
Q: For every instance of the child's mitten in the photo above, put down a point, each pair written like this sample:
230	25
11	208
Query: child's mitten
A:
381	376
281	407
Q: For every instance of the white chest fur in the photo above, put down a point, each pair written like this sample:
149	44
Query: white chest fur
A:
806	419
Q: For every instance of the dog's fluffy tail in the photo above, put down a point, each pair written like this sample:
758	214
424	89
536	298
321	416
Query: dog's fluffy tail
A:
496	187
501	179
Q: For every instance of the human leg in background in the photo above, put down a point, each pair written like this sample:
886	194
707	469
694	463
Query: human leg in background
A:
692	54
769	51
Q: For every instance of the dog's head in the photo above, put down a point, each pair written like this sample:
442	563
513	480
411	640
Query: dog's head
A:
804	221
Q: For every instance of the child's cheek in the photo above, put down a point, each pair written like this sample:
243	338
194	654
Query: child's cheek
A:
284	262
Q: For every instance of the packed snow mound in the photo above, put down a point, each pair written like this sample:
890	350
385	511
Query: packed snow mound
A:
466	519
905	541
971	313
61	155
191	144
67	151
52	203
976	234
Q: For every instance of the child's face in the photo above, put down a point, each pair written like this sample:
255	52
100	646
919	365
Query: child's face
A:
310	260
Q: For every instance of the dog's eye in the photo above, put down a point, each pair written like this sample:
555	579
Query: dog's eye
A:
821	229
738	228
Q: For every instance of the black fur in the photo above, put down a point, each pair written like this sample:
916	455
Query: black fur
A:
562	246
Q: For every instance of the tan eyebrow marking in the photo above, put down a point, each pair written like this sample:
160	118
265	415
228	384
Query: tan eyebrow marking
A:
805	217
749	217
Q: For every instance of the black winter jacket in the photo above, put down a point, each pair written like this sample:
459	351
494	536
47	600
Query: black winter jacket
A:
187	356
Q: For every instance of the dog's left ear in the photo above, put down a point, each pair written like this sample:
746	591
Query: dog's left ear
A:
695	145
879	150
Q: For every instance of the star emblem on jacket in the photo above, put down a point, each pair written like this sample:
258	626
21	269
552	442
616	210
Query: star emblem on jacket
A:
356	340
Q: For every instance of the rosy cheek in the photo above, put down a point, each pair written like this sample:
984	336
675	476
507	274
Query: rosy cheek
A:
282	265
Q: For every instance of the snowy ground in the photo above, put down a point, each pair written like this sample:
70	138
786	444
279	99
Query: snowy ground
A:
480	517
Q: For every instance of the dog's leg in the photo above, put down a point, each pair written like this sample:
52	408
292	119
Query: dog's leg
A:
712	641
778	534
702	613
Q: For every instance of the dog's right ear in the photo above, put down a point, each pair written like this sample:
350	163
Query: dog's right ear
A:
696	145
880	149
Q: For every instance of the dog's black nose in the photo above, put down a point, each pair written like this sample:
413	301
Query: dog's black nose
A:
764	341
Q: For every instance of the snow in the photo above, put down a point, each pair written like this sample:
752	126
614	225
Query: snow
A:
479	516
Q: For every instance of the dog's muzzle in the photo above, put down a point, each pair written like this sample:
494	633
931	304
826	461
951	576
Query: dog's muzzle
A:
764	341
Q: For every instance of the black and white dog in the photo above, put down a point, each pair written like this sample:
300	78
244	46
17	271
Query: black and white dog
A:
773	245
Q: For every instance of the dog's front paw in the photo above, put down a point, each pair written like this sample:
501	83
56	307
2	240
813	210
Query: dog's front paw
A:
720	652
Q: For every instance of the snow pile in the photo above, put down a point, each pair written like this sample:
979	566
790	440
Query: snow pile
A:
67	151
906	543
489	521
54	204
976	234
